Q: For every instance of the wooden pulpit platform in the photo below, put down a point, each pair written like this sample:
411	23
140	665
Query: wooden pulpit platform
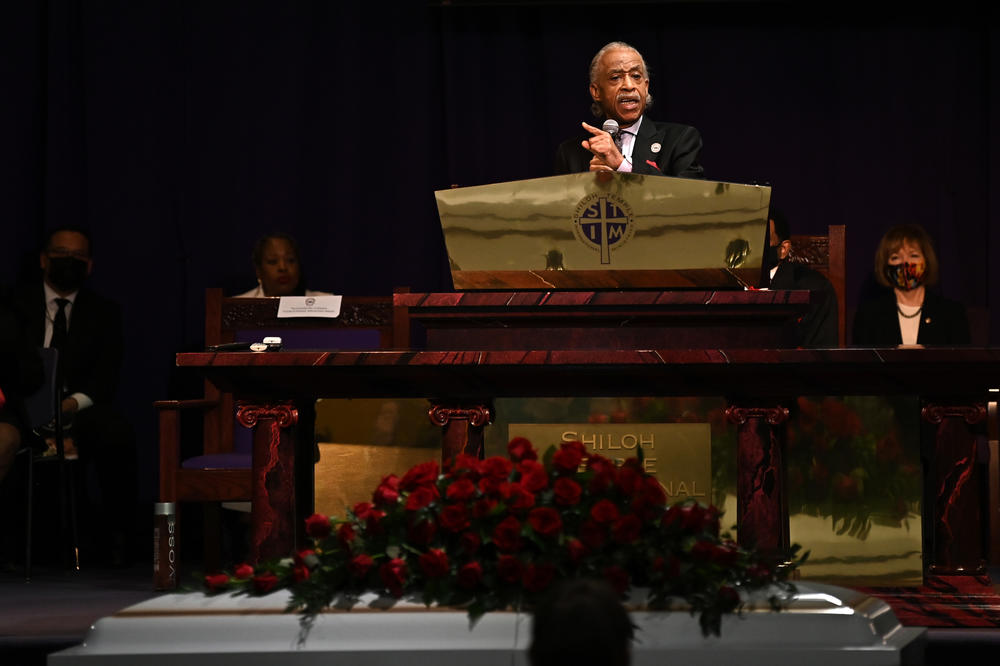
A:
486	345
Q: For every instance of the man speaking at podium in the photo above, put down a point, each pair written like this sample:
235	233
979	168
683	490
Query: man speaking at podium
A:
628	142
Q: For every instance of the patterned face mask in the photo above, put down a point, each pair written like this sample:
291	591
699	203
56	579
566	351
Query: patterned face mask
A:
906	276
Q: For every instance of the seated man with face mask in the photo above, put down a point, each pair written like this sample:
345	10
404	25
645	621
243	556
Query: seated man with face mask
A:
59	311
818	327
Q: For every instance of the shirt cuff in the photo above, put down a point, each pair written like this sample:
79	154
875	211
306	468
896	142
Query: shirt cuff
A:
82	400
625	166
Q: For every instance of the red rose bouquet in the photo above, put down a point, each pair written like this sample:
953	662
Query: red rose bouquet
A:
495	533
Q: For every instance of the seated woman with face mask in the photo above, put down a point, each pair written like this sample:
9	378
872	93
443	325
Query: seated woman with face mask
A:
908	313
278	268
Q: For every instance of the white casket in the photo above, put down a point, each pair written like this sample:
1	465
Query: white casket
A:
822	625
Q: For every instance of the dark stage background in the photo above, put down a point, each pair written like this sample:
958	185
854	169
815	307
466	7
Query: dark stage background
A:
180	130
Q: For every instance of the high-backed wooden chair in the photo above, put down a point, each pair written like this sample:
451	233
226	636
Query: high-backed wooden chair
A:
828	255
222	471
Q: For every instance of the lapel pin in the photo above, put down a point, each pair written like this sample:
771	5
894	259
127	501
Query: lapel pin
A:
655	148
927	320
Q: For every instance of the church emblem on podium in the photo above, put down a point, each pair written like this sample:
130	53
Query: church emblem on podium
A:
603	222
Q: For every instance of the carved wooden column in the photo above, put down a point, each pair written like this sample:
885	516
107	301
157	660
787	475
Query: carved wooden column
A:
761	493
954	474
463	426
272	527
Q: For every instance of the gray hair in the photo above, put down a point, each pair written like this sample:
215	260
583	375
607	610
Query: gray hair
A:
595	108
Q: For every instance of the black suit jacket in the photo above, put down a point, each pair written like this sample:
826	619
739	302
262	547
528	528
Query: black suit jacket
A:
91	361
819	326
943	322
680	146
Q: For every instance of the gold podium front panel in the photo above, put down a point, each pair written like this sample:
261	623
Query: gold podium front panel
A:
579	229
679	455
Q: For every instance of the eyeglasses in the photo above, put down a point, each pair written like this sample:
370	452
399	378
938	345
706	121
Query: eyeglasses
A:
58	252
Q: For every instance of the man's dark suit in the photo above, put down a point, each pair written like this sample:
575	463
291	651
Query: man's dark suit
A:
680	146
92	358
943	322
818	328
90	363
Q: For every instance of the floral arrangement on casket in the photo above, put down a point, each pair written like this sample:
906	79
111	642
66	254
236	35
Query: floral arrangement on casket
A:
495	533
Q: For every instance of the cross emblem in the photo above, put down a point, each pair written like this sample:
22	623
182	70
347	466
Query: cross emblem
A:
603	223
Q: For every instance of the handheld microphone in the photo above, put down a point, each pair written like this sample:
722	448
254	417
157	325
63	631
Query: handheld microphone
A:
611	127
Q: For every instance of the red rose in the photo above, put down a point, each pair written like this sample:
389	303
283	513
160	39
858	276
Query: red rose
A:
387	492
393	574
361	510
626	530
507	535
484	507
454	518
533	475
490	485
537	577
618	578
729	598
592	534
509	568
345	532
566	492
577	551
692	517
424	474
605	473
496	467
470	575
671	516
568	457
701	550
307	557
652	492
366	511
434	563
422	532
464	465
300	572
318	526
518	499
545	521
216	582
264	583
520	449
243	571
725	554
461	490
360	565
421	497
470	542
604	511
629	479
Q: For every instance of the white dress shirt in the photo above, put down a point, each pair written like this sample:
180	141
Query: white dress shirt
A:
628	135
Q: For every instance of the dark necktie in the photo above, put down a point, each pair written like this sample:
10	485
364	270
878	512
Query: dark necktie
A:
59	325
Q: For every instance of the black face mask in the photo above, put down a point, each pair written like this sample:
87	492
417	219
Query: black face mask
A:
66	273
771	256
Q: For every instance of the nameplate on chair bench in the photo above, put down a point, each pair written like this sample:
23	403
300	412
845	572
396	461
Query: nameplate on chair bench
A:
309	306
